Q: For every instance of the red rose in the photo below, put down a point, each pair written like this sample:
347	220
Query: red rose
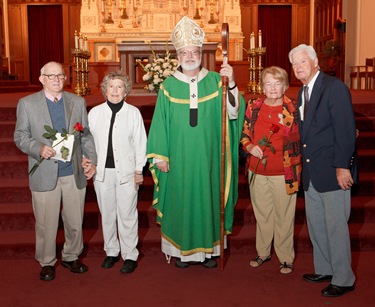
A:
78	127
274	128
51	134
264	143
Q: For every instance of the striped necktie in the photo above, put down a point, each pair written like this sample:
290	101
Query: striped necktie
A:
307	100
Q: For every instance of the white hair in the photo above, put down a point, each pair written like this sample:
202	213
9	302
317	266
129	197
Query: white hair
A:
43	69
307	48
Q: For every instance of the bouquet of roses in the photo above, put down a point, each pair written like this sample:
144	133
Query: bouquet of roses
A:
158	70
51	134
264	143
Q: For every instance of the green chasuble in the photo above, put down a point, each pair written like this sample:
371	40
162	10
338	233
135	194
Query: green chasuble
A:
187	198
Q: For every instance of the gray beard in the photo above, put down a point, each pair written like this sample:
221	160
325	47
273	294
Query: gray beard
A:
191	67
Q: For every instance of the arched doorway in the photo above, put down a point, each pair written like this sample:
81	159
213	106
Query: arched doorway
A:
276	24
45	27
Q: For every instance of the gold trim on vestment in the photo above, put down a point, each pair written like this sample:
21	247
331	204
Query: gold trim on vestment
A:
195	250
187	101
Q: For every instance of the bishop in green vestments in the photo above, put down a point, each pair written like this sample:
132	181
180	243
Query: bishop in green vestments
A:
184	152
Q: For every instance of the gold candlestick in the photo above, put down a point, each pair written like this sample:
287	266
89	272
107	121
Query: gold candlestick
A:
260	53
197	16
255	57
81	58
212	19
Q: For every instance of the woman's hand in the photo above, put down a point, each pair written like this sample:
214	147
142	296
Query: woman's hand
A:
138	180
255	150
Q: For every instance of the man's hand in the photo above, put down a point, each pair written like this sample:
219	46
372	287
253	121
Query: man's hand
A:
227	70
344	178
163	166
47	152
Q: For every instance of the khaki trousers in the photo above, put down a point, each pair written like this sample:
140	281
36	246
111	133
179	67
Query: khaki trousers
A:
46	206
274	212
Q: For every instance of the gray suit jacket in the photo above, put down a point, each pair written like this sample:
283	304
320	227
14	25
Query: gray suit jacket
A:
32	115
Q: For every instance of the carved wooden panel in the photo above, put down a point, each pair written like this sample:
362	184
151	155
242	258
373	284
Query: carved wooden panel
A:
44	2
18	42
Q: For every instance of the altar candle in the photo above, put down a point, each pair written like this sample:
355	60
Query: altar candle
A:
80	41
260	38
85	45
75	39
252	41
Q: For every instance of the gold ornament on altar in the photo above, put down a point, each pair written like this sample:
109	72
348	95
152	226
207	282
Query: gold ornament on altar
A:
158	70
187	33
255	56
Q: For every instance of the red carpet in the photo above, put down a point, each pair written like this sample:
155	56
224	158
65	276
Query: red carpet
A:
155	283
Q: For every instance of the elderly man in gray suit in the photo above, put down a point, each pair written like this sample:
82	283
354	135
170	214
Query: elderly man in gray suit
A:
54	180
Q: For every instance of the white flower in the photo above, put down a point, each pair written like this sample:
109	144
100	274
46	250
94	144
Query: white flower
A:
158	70
166	73
151	87
146	76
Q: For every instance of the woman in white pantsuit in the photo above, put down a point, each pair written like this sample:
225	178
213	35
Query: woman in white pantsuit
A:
120	142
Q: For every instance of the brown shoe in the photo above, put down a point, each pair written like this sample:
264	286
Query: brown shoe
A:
47	273
75	266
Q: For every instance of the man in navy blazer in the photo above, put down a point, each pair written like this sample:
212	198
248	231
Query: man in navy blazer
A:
328	136
55	181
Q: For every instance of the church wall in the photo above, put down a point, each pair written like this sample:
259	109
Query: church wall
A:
360	43
18	34
301	10
18	41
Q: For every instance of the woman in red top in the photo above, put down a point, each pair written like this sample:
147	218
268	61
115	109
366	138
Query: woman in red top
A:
270	138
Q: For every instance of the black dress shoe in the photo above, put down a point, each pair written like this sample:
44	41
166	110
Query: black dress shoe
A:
75	266
129	266
47	273
209	263
180	264
334	291
110	261
317	277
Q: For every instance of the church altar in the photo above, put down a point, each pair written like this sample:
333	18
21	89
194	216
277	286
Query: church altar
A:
117	22
130	52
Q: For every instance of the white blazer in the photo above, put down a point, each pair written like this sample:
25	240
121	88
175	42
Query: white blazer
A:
128	140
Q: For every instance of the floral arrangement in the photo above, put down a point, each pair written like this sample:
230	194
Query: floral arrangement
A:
158	70
264	143
51	134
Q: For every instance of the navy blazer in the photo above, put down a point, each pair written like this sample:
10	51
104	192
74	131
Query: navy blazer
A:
328	134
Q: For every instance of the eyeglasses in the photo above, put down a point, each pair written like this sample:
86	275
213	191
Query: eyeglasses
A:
274	85
53	76
186	53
